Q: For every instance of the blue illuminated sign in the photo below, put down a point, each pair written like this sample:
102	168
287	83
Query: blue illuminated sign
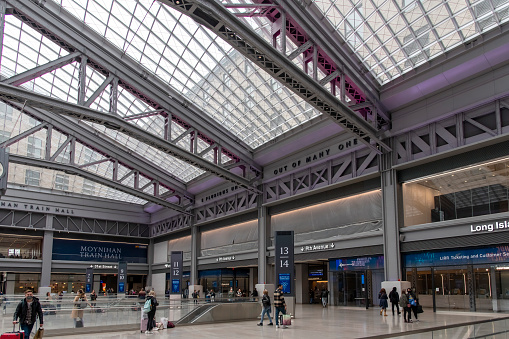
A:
491	255
284	279
121	288
357	264
175	286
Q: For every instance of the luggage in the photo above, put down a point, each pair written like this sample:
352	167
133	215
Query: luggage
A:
170	324
144	322
79	322
13	334
419	309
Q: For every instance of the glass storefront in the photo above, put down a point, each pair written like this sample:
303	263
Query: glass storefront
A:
481	189
17	283
221	280
20	247
355	281
462	278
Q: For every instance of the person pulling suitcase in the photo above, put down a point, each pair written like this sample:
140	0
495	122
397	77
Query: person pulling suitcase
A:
27	312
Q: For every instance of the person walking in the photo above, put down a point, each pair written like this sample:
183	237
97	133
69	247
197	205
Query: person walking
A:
412	301
279	303
152	313
27	312
394	298
383	301
265	308
325	297
80	303
403	302
93	299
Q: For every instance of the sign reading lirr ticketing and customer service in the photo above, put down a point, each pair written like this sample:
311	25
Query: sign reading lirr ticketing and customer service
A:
176	271
284	261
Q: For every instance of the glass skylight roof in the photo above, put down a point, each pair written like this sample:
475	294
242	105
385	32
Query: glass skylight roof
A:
392	37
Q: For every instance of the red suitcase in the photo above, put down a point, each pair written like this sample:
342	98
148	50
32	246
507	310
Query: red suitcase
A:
13	334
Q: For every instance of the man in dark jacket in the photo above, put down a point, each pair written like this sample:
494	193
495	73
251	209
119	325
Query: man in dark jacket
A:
394	298
26	311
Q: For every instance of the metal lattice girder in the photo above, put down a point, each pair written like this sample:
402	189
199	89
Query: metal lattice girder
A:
217	18
334	53
73	170
54	22
40	70
22	96
111	150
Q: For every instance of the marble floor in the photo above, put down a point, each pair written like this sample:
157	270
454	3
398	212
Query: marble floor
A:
315	322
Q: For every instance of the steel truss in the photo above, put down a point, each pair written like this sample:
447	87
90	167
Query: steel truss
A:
294	21
114	153
221	21
57	24
466	128
353	165
22	97
171	225
71	224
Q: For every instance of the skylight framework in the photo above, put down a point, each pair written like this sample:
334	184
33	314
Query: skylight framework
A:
392	37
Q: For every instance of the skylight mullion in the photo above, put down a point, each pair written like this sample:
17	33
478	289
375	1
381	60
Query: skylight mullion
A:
432	28
474	18
453	19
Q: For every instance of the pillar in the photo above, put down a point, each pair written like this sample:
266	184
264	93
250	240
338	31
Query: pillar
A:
195	250
263	227
150	262
47	252
392	257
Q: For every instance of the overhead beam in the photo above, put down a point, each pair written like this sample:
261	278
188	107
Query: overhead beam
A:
20	96
91	138
338	53
73	170
221	21
69	32
38	71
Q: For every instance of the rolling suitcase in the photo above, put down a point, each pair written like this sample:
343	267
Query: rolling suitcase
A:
13	334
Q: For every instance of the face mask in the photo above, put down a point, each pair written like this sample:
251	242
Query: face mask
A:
29	298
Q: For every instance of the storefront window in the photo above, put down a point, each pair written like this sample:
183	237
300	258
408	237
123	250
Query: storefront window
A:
473	191
67	283
502	282
17	283
20	247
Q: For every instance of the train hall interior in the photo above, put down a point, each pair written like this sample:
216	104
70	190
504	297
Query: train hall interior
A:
369	137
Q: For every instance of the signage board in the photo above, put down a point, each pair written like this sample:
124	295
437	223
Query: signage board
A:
122	276
176	271
84	250
284	260
489	255
357	264
89	280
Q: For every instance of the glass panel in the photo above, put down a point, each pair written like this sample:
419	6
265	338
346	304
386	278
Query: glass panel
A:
477	190
451	288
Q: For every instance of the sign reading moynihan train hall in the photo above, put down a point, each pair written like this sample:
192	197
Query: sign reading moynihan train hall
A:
82	250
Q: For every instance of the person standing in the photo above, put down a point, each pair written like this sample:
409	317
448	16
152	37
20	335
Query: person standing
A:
239	293
394	298
93	298
27	311
152	313
325	297
412	301
383	301
80	303
265	308
279	303
403	302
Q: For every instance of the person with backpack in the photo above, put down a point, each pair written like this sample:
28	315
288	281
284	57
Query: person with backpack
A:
150	309
27	311
394	298
80	303
265	308
279	303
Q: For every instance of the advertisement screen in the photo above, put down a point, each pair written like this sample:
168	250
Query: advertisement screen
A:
284	279
175	286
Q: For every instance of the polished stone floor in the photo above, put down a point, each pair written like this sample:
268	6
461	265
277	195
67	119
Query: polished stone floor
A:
315	322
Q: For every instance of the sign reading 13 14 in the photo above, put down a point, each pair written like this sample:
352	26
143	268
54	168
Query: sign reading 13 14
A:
284	246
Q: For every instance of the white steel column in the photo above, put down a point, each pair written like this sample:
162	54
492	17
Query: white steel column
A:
3	6
392	257
195	250
263	225
47	252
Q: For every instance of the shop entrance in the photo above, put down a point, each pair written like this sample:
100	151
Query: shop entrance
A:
351	287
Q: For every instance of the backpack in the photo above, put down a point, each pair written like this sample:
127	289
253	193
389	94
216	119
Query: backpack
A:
147	307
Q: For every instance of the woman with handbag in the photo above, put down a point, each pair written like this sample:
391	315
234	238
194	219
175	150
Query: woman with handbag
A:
80	303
